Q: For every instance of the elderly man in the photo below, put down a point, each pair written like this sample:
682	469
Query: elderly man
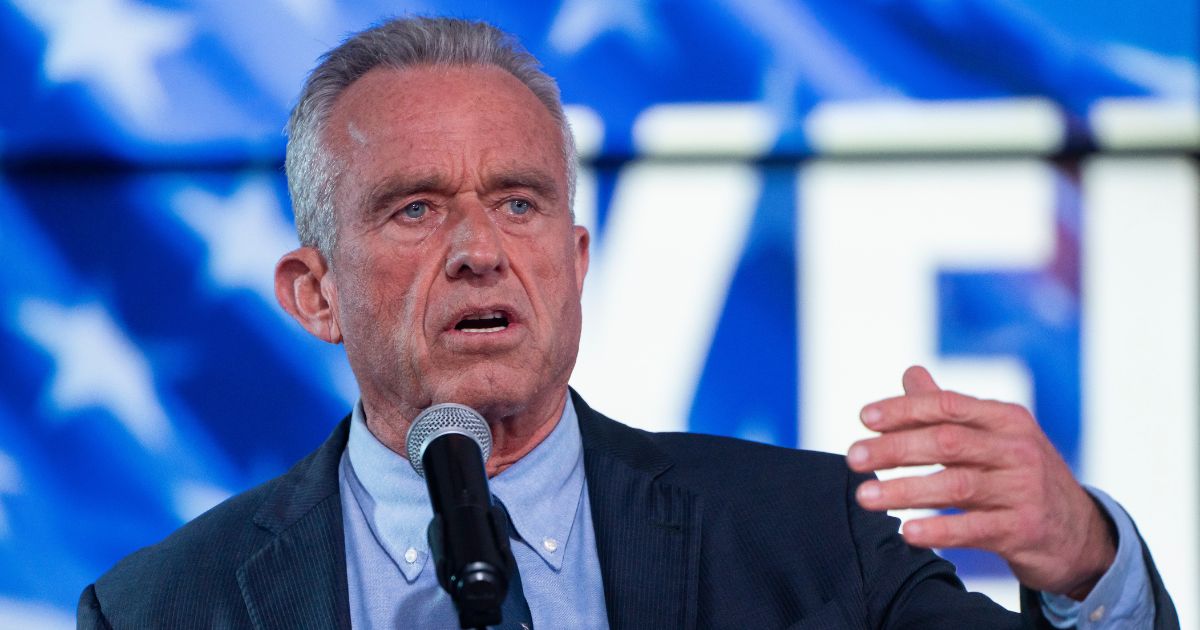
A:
432	172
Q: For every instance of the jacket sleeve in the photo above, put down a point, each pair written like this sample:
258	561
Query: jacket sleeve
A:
88	615
1165	617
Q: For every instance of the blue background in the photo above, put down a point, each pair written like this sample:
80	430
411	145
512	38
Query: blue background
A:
147	371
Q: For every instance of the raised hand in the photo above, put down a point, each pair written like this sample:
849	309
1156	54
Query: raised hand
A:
1018	497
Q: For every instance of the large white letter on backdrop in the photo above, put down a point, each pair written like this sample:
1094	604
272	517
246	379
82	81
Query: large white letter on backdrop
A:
1140	372
872	238
657	285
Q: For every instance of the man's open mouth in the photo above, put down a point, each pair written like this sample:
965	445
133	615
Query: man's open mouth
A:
493	321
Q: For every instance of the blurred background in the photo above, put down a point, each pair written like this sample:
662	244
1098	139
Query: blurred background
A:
791	201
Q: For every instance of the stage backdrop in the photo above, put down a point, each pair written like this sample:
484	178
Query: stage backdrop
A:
790	202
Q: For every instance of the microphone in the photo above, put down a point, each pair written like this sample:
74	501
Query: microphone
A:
448	444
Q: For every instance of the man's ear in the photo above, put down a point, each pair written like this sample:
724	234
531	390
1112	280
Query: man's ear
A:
582	242
306	291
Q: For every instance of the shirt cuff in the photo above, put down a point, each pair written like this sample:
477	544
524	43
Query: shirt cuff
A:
1122	596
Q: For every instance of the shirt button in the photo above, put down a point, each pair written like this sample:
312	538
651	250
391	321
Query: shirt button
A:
1097	614
410	556
549	544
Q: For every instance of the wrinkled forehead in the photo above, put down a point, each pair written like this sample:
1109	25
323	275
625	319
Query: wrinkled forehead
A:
470	119
388	105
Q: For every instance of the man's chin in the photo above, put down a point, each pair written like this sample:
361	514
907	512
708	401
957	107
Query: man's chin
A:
494	396
499	389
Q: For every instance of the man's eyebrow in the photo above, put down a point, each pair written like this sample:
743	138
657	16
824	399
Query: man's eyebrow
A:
384	193
538	181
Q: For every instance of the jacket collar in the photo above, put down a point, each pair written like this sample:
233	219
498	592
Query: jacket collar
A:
647	530
647	535
298	579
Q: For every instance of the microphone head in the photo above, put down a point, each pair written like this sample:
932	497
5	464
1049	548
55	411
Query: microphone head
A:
440	420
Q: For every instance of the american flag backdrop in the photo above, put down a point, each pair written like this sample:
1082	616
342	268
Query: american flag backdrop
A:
790	201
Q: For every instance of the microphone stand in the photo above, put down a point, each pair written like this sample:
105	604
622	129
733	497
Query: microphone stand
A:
468	536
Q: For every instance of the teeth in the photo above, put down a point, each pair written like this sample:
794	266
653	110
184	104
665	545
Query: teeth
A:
483	330
478	322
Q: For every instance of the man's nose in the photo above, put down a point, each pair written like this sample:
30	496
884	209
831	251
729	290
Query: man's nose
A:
476	248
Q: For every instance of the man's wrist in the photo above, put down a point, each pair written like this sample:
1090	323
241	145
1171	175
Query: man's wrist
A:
1121	597
1101	535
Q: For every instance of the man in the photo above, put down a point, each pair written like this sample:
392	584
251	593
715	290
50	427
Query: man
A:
431	172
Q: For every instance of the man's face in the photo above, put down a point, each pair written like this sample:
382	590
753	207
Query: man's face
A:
458	270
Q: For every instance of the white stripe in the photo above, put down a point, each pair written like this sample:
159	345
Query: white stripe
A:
1032	125
1146	123
705	130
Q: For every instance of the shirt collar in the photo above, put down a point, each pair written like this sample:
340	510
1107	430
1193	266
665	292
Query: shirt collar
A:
541	491
392	497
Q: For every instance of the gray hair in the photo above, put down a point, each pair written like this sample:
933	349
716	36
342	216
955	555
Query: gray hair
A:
312	171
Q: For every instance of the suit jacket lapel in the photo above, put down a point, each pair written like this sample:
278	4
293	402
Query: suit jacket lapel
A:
298	579
647	531
647	536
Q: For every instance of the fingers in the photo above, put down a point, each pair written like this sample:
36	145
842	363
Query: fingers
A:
917	380
978	529
1017	496
963	488
948	444
924	403
935	407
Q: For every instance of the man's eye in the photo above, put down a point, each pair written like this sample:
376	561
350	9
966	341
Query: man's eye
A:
519	206
416	209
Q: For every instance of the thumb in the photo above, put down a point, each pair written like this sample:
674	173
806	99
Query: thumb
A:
917	380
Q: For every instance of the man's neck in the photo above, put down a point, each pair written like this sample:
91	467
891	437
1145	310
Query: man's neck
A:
513	435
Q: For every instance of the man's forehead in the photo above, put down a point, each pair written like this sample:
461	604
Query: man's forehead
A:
387	99
438	128
492	176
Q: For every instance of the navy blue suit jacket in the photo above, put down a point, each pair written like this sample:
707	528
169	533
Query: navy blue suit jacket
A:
692	531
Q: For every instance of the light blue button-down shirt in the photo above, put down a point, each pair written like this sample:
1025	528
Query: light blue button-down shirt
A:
385	507
393	584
